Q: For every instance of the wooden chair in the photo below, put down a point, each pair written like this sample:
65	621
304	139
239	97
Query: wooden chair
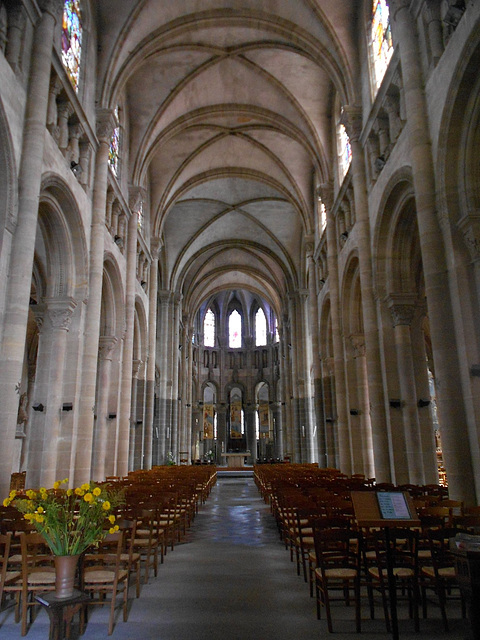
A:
149	540
37	572
440	575
338	570
399	547
103	573
10	580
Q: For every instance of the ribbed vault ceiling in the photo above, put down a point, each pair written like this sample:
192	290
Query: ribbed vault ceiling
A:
228	109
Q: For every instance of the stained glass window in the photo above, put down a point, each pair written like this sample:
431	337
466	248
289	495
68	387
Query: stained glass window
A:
235	330
276	335
209	329
72	40
382	46
260	328
141	217
113	154
345	150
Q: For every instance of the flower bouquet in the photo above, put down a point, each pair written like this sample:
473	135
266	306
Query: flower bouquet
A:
70	520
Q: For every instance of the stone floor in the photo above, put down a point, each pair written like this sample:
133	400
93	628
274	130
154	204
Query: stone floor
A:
232	578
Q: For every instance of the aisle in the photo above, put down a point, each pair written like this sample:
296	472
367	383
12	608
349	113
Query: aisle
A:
231	578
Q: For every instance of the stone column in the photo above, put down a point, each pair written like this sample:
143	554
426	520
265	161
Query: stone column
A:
319	441
106	346
135	440
23	243
127	359
164	346
250	432
221	432
82	453
366	444
343	436
451	408
277	429
402	309
152	353
328	380
352	120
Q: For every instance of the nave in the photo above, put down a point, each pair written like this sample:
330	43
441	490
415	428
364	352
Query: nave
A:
232	575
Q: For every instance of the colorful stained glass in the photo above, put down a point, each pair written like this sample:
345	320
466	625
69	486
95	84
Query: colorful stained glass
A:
345	150
114	152
209	329
72	40
382	45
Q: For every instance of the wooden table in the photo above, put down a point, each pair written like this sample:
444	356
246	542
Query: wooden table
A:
61	611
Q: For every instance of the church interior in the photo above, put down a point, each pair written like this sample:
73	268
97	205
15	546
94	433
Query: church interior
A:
239	233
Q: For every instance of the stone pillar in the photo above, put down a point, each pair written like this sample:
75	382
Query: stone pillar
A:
135	440
319	441
277	429
101	436
23	244
403	310
250	432
343	436
352	120
127	359
221	432
452	415
164	347
328	380
175	425
82	455
366	443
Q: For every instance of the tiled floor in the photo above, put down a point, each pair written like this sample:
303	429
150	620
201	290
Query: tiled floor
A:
232	579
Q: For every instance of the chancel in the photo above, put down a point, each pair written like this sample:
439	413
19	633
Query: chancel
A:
237	232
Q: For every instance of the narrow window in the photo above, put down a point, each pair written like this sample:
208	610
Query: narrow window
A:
260	329
209	329
235	330
72	40
344	151
381	43
114	151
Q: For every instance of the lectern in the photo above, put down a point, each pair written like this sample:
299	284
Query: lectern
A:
386	509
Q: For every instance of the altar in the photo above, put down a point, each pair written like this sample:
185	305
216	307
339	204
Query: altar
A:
236	459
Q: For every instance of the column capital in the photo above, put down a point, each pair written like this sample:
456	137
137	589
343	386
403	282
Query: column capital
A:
136	197
53	7
60	312
352	120
136	367
325	192
156	246
106	123
402	308
357	341
106	345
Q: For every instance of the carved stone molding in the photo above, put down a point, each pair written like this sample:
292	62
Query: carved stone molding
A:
60	312
106	123
352	120
326	193
357	340
106	345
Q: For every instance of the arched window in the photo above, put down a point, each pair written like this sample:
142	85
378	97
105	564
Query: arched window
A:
72	40
234	330
260	328
276	335
114	151
344	151
209	329
381	40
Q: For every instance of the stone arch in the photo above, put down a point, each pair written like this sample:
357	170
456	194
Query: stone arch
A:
8	188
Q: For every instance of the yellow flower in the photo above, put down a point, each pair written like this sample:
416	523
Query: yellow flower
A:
69	492
42	490
39	518
40	509
12	494
6	502
31	495
88	497
97	491
114	529
111	519
79	491
56	484
106	505
85	486
28	516
65	481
